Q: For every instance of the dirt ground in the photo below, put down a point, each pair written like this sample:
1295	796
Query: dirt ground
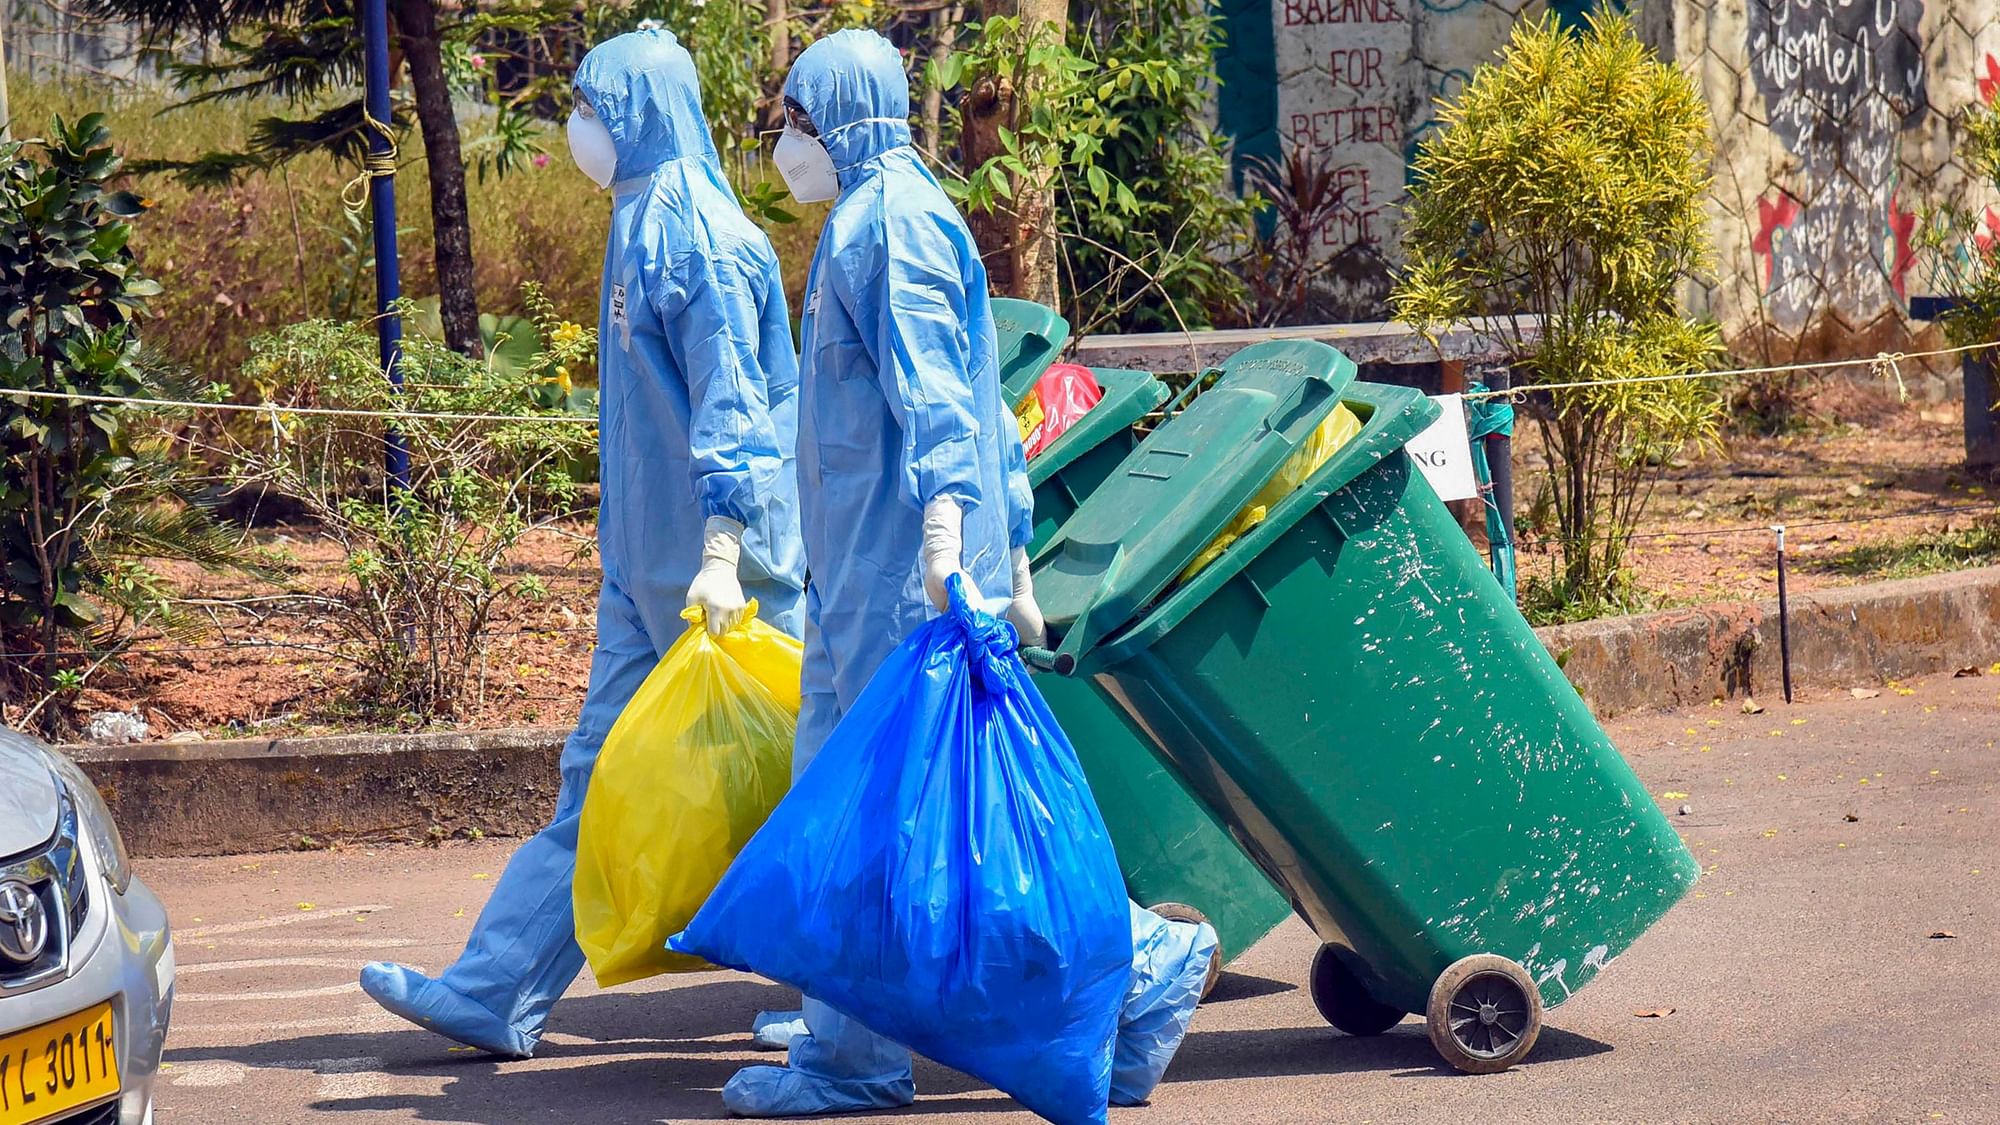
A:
1863	455
261	673
1836	481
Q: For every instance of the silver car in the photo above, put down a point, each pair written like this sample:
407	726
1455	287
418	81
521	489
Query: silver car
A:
86	959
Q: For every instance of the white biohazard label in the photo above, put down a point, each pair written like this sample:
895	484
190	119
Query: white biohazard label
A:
618	318
812	302
1443	453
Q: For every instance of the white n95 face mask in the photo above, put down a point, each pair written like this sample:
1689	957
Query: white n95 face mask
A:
591	147
806	166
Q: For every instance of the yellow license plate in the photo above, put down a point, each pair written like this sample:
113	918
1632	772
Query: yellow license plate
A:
57	1067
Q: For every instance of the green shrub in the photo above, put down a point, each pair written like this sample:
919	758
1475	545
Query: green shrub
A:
1964	246
1111	155
278	248
1170	264
88	490
423	565
1570	179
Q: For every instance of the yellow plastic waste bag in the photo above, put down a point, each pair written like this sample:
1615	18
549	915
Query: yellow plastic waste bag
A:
691	769
1337	430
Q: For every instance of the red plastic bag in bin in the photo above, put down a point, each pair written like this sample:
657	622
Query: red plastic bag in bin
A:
1064	393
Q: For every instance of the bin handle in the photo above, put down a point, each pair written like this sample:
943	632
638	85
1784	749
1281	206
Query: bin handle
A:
1188	391
1062	659
1043	660
1304	398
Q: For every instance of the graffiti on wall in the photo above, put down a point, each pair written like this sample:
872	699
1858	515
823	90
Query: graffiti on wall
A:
1829	147
1840	81
1343	92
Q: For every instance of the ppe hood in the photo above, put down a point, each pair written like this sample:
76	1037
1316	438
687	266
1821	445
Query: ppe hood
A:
844	81
642	86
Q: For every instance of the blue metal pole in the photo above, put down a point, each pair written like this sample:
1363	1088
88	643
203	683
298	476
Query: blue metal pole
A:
382	202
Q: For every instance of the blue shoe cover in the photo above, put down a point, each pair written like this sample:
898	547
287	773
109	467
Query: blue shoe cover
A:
435	1007
781	1091
1169	967
774	1031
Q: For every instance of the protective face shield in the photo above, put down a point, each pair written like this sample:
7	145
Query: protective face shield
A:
590	145
806	166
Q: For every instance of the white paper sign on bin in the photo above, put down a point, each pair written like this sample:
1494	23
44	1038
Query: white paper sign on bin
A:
1443	453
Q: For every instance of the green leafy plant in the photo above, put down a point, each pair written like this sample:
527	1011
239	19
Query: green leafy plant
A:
424	564
1088	158
1963	245
89	490
1963	248
1029	107
1569	180
1167	261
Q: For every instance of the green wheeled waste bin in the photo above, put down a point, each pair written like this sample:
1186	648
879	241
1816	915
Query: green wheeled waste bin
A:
1029	337
1351	692
1177	859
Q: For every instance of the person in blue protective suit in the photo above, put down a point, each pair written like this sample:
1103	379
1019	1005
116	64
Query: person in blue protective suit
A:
910	470
697	420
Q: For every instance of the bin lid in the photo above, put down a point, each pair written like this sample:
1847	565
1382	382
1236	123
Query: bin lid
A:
1184	483
1128	396
1392	417
1029	337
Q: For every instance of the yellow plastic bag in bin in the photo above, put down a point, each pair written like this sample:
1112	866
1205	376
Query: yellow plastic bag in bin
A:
691	769
1337	430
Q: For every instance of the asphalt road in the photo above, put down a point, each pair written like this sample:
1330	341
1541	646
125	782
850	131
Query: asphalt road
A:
1837	962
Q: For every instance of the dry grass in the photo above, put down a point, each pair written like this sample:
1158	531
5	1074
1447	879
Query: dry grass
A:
276	248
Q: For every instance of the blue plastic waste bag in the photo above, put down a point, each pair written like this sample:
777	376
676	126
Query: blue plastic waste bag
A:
941	873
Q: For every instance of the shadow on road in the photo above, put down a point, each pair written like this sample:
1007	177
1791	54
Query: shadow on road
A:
648	1056
1280	1052
664	1055
694	1018
1243	986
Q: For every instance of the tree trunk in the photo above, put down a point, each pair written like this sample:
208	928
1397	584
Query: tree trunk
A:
451	222
943	20
1019	245
6	119
778	14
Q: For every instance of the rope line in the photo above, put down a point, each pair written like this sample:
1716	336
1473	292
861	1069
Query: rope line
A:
1886	365
374	166
1765	528
238	646
276	411
1759	529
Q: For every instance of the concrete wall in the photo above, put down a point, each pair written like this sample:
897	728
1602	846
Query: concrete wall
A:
52	42
1833	126
1835	131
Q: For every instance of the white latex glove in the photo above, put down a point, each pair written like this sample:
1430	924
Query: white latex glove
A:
1022	612
715	589
944	546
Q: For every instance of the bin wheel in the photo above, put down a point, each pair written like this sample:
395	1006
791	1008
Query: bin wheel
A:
1341	999
1182	912
1484	1014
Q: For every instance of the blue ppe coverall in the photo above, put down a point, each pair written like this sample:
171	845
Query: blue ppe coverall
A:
697	417
901	404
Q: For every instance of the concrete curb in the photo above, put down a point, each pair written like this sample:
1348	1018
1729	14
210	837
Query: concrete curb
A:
249	795
1855	637
265	794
